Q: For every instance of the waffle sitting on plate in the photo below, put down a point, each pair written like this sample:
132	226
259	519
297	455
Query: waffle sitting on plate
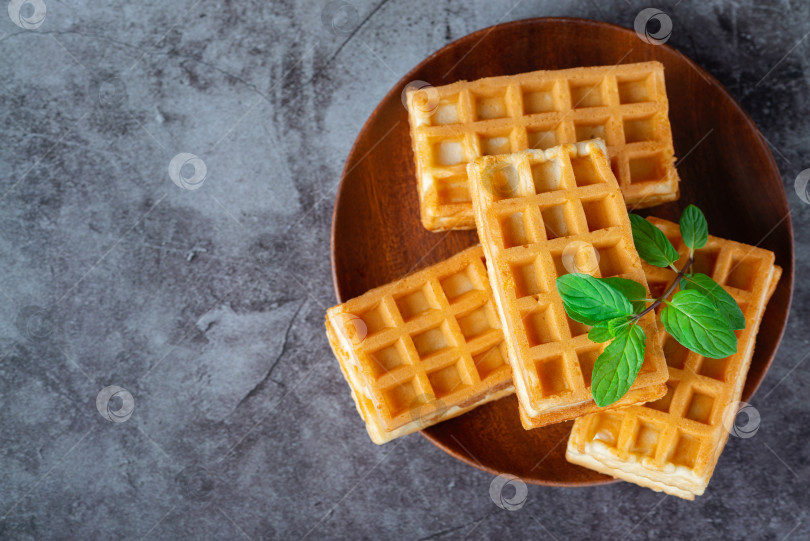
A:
625	105
533	209
423	349
673	444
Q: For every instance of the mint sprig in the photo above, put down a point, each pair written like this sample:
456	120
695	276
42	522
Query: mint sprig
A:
700	315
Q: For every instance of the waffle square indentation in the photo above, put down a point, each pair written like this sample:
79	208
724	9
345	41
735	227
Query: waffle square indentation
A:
606	429
646	439
446	380
664	403
551	374
431	341
700	407
514	230
416	303
600	213
540	327
386	359
402	397
528	279
490	105
585	171
589	94
587	358
540	99
489	361
547	176
647	168
477	322
456	285
634	90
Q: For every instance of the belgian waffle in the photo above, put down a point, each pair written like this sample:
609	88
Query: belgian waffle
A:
422	349
673	444
530	208
625	105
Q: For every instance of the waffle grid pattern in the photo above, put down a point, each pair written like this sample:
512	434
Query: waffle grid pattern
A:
687	428
624	105
427	343
531	206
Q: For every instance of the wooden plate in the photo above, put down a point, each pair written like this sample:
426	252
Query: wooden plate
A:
726	169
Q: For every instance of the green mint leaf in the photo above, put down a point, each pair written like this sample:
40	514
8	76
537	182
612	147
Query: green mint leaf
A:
692	318
616	368
651	243
635	292
600	333
722	299
694	229
589	300
607	330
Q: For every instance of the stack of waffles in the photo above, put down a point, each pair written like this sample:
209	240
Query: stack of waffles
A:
544	165
673	444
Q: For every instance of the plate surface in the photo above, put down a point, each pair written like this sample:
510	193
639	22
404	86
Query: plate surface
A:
725	166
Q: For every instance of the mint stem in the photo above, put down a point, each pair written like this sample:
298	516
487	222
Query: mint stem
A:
669	290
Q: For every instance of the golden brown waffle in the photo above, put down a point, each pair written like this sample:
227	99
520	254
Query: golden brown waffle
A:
422	349
673	444
625	105
531	208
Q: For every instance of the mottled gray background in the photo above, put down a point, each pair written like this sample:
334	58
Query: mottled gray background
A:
207	305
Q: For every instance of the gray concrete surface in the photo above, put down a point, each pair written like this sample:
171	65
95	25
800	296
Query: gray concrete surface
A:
206	305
